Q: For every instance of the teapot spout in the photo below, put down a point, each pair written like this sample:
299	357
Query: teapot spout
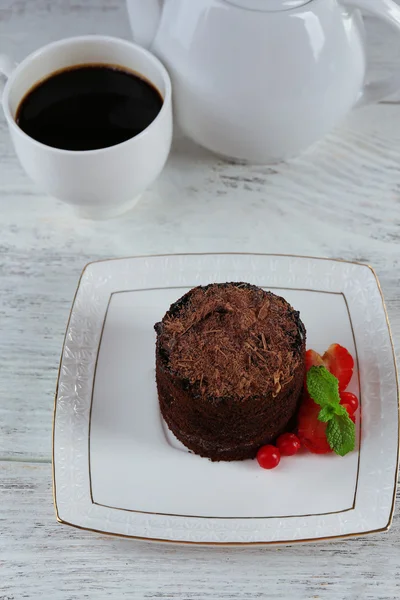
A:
144	17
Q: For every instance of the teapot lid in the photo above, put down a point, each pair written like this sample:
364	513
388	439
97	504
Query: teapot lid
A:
268	5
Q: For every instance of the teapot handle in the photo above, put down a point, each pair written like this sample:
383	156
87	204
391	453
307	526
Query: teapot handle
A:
389	12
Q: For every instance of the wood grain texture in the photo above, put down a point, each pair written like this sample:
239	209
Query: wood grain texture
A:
49	560
341	199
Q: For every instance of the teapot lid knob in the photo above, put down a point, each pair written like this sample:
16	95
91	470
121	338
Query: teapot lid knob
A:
268	5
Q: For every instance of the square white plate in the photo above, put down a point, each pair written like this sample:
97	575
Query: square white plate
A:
117	469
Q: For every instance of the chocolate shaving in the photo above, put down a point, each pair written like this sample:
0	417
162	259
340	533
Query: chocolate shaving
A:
263	310
264	343
277	383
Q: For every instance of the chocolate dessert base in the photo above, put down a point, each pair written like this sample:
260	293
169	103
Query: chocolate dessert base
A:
190	427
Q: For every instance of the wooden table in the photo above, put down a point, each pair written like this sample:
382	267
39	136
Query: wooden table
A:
340	200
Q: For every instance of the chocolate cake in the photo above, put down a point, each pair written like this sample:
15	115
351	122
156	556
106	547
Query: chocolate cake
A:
229	368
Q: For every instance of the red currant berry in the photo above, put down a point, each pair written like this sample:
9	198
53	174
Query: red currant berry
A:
353	418
350	401
288	444
268	457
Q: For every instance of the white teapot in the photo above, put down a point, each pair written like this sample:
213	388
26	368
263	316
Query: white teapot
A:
261	80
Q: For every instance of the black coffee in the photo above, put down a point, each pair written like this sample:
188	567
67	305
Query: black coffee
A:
88	107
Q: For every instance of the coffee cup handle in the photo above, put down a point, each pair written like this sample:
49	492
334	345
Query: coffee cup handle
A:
389	12
7	66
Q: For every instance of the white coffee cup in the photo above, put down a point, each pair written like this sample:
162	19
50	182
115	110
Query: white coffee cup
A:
98	183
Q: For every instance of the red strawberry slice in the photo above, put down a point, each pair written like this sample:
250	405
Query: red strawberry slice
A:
313	359
311	432
340	363
337	360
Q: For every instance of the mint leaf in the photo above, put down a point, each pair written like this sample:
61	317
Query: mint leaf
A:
323	387
326	413
340	410
341	434
329	411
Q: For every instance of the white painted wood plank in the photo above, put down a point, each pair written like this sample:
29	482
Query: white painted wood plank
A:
383	51
25	25
43	559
